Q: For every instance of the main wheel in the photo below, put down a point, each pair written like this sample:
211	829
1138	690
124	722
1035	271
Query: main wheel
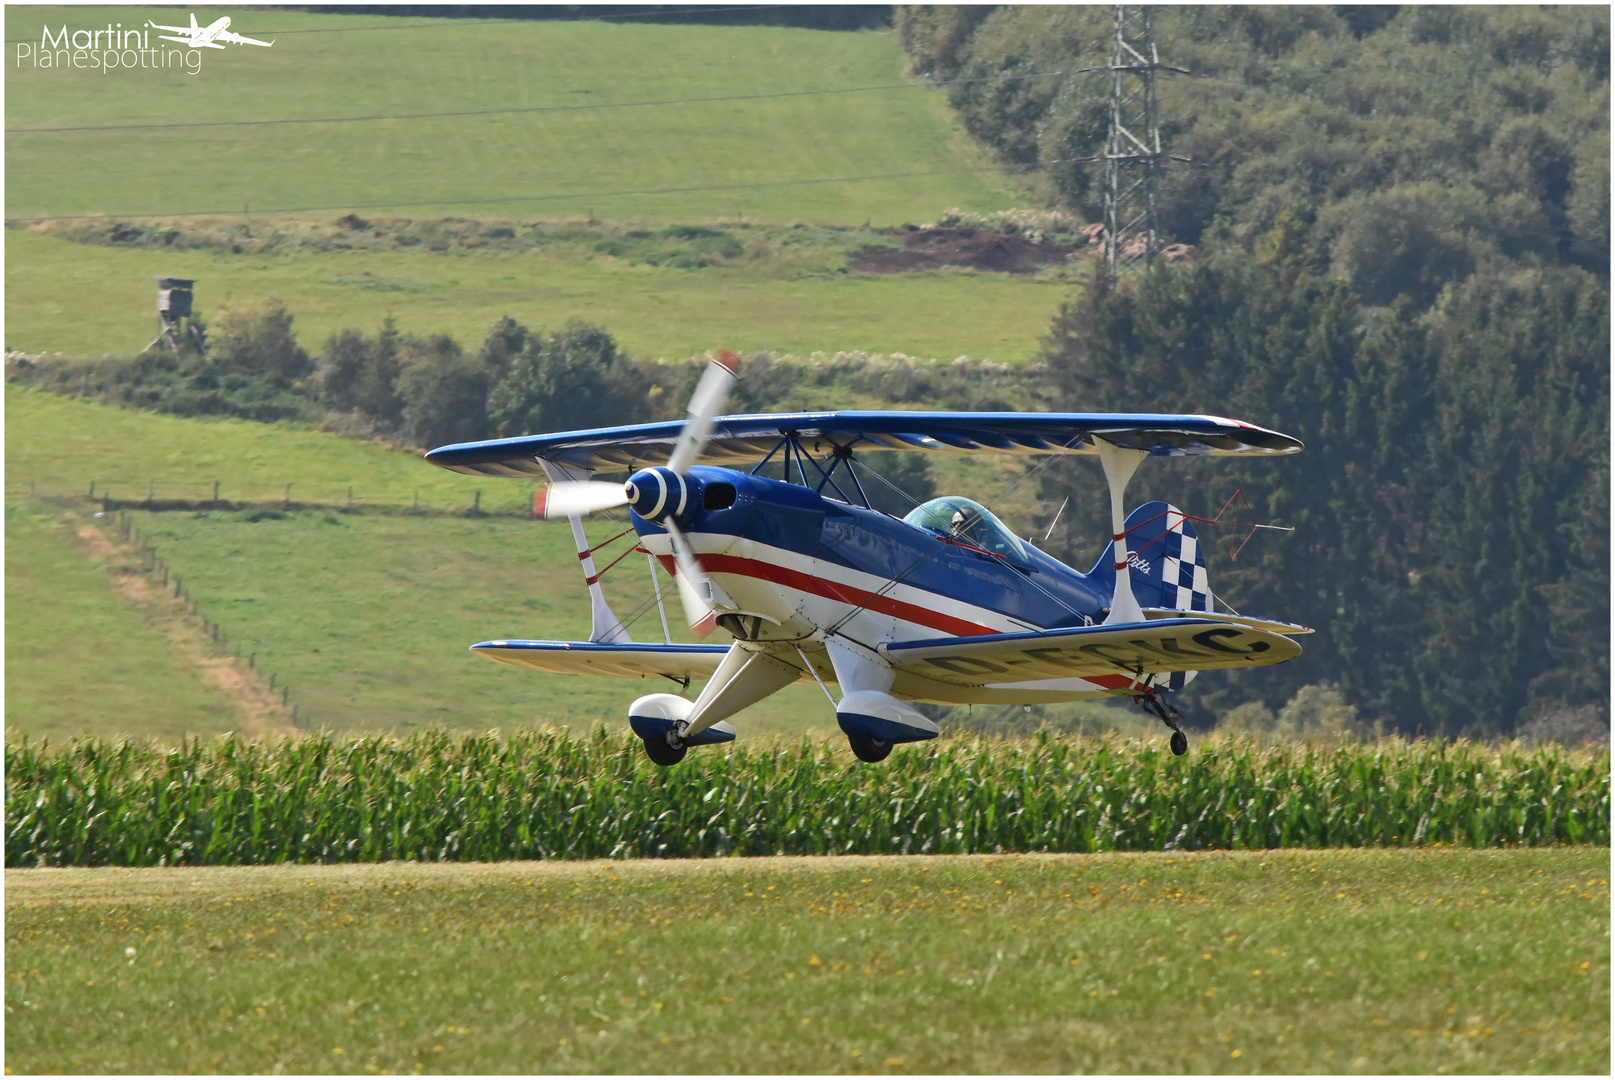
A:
665	753
868	748
1180	743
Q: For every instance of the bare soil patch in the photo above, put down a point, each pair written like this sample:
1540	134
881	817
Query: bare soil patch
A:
979	249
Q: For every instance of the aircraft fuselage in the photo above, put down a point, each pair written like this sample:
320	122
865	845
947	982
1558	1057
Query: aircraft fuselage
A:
793	565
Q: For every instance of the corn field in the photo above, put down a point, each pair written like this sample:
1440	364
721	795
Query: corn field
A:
550	795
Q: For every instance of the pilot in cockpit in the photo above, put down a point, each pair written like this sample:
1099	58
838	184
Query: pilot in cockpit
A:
968	522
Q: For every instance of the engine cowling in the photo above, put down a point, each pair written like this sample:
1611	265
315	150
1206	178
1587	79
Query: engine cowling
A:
657	493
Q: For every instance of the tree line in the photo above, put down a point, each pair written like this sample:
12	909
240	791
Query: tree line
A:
1402	216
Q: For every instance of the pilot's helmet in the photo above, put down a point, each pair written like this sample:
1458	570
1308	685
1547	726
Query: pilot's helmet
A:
961	521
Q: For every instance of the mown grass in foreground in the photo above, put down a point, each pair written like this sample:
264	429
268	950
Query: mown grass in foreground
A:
548	794
1297	961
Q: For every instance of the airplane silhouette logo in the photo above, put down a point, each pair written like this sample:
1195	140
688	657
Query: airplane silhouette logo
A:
206	37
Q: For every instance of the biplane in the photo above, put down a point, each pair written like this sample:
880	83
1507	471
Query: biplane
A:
812	584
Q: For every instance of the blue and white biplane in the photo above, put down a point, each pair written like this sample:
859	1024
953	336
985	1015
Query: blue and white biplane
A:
945	605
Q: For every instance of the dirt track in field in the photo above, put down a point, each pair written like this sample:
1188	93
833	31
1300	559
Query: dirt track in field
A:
259	708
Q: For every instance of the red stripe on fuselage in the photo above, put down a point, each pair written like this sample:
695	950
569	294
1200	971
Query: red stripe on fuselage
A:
846	594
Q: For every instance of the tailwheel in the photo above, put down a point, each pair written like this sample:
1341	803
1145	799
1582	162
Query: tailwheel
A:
868	748
1168	715
665	753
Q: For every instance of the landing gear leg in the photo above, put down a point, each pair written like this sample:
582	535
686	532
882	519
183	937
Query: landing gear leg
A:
1168	716
666	751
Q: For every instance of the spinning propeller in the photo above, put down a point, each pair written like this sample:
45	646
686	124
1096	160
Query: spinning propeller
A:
660	494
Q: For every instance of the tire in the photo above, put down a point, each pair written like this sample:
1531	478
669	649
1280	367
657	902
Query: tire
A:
664	753
868	748
1180	743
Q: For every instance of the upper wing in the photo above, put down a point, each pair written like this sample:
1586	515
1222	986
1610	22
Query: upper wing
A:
630	660
742	440
1120	653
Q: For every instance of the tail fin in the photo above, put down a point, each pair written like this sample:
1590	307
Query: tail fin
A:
1165	559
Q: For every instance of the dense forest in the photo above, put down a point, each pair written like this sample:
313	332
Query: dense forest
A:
1402	217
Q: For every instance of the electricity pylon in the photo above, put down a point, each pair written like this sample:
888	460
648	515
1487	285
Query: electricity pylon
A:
1133	156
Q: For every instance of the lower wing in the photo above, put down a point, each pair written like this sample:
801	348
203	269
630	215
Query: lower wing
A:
1105	655
629	660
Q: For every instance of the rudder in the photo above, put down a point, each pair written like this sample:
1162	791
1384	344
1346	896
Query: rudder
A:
1166	559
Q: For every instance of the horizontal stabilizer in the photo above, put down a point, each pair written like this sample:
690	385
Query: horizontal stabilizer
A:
628	659
1289	629
1111	656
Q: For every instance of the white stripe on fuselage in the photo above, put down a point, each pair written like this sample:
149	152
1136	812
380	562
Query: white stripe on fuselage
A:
780	601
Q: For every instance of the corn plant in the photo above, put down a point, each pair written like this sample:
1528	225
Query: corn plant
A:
547	794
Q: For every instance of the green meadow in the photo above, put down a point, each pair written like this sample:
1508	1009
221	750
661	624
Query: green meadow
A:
367	617
364	615
86	301
484	117
61	444
1366	961
78	658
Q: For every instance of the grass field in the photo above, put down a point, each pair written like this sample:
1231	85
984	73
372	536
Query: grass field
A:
543	120
366	616
87	301
60	444
79	658
1292	961
365	641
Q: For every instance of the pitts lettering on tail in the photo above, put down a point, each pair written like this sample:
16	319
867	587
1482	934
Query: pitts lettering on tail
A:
811	584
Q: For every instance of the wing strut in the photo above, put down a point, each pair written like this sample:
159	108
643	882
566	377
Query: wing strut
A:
605	626
1119	465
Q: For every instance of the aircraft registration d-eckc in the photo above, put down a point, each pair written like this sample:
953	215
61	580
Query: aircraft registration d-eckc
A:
206	37
945	605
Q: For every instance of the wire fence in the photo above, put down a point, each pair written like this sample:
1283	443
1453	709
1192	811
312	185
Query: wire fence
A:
171	586
504	500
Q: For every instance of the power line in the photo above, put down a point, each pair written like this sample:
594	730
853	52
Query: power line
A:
558	196
519	110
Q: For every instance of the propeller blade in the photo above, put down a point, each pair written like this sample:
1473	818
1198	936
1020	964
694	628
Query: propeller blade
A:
690	580
578	497
705	405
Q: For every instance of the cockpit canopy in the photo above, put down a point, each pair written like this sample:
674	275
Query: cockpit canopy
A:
970	522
